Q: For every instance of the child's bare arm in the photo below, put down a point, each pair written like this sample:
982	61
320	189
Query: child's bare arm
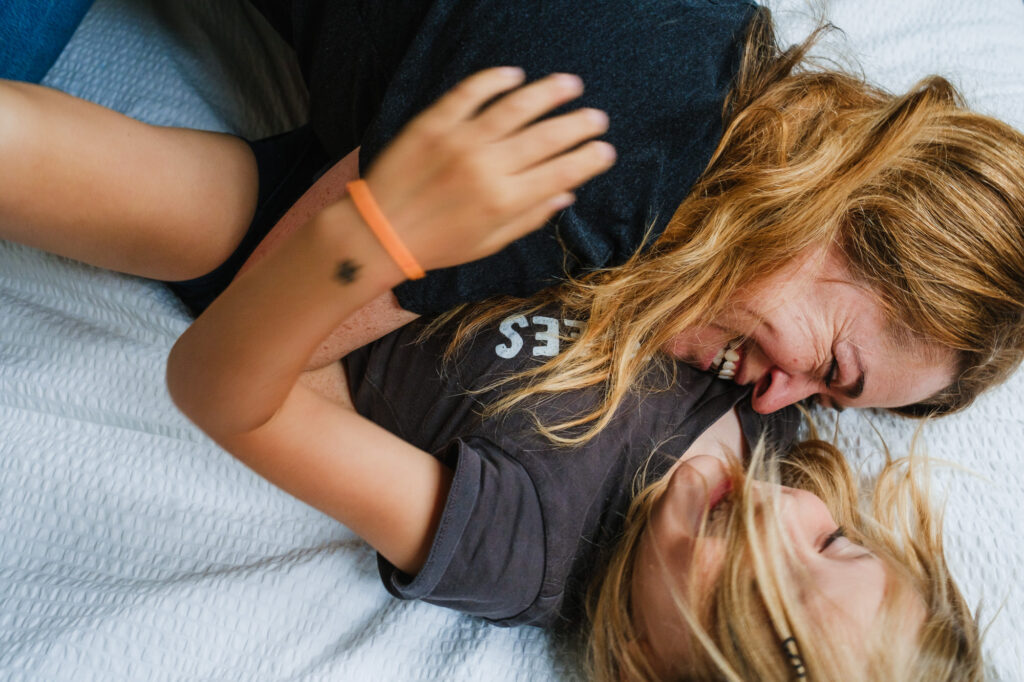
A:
378	317
89	183
457	184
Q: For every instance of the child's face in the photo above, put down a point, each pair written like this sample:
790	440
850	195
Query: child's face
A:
837	577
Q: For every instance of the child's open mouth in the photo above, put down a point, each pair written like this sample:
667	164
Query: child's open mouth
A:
719	506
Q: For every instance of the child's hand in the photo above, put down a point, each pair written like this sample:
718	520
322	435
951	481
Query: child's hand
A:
459	183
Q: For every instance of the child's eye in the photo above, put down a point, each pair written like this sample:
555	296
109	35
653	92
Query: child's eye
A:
833	536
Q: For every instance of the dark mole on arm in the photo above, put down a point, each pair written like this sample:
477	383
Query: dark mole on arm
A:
347	271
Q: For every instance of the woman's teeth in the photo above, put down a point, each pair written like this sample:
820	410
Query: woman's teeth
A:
727	360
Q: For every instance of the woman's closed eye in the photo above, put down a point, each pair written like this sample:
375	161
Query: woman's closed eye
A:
833	373
831	538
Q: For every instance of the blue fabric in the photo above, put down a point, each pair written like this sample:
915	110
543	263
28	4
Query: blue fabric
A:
33	33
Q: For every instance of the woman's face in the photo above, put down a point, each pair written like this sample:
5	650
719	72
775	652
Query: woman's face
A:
839	581
808	330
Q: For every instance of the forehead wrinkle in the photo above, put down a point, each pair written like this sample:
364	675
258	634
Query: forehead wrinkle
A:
899	336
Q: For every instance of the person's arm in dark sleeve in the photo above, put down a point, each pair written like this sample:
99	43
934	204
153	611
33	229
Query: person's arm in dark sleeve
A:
488	556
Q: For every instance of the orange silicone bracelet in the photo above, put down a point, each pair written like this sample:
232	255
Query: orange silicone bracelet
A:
381	228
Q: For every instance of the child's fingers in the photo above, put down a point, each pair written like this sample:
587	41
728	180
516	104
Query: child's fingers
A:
527	104
531	220
552	137
569	170
466	98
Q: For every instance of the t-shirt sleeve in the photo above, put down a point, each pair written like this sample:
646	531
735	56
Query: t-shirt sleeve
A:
488	556
777	430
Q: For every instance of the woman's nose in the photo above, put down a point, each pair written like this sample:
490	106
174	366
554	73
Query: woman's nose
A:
777	389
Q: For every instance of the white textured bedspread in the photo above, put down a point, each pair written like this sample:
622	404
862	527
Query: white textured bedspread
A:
132	548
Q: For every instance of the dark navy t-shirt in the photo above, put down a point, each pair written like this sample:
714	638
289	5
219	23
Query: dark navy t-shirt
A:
660	68
527	524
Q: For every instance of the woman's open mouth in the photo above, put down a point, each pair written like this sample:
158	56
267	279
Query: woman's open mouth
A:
726	364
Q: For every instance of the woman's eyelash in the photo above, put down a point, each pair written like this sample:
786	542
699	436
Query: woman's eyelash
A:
833	536
833	373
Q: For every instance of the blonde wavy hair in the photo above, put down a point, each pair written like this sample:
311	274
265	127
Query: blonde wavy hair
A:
924	198
753	627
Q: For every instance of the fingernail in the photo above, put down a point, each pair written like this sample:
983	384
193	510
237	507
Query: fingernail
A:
598	116
563	201
570	82
513	72
608	151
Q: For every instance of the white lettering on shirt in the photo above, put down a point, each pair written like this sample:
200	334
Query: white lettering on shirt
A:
548	333
549	337
575	328
515	344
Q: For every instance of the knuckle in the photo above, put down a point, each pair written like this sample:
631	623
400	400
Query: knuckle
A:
448	144
566	175
563	169
475	87
427	129
473	164
555	136
516	107
491	125
504	114
495	202
466	91
503	201
467	172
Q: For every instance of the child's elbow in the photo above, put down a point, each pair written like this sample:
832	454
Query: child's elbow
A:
204	392
182	385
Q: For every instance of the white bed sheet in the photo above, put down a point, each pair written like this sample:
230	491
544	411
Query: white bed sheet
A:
132	548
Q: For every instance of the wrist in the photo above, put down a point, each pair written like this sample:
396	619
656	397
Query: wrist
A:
378	223
353	249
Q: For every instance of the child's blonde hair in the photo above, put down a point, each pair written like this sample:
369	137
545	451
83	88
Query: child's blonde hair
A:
752	626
